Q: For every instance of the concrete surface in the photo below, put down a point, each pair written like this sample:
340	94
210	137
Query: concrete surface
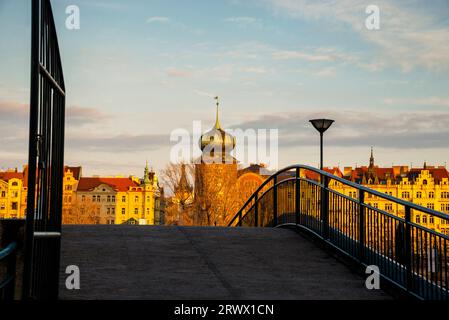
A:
153	262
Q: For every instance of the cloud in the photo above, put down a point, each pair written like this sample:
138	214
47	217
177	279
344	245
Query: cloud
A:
258	70
326	72
203	93
417	130
178	73
76	115
13	111
285	55
430	101
116	143
242	20
158	19
409	36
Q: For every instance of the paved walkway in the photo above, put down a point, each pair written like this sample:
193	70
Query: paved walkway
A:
146	262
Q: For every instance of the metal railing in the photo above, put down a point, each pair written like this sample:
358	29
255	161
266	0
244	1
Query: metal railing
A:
45	158
349	217
8	274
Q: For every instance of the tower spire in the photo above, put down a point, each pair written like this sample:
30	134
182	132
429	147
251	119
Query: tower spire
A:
217	121
146	176
371	159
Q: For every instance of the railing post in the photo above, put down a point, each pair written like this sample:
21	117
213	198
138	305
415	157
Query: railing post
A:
240	218
297	197
324	206
408	248
361	226
256	210
275	202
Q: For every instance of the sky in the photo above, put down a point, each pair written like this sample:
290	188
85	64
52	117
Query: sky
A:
137	70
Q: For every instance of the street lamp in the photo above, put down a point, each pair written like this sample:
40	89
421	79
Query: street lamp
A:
321	125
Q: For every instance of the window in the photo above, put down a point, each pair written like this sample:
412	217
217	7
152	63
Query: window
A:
136	211
417	219
14	184
123	198
108	210
148	198
148	210
430	206
431	219
405	195
113	210
3	194
431	195
424	219
2	206
445	195
419	195
136	199
375	205
424	182
109	199
94	198
14	206
445	207
123	210
113	198
388	207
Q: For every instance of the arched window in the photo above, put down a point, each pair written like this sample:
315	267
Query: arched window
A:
14	184
424	182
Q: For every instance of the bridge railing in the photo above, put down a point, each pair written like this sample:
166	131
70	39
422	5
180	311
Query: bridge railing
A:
8	271
369	226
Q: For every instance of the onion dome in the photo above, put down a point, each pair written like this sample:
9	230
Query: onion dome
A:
216	142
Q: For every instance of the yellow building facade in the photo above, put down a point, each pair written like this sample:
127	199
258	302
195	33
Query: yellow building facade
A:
427	186
91	200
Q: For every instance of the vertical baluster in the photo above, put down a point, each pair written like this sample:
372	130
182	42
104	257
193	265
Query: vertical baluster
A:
408	253
361	226
297	197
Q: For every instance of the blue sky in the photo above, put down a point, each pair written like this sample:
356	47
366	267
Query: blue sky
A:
136	70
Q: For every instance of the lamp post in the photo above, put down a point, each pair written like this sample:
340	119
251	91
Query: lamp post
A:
321	125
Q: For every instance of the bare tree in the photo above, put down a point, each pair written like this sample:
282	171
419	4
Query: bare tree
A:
178	177
82	212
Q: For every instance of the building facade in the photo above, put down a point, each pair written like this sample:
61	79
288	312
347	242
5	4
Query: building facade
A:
427	186
91	200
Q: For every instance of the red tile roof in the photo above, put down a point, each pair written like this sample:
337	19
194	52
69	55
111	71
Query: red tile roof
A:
8	175
312	175
119	184
437	173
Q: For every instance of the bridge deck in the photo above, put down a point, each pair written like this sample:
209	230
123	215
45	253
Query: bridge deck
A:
135	262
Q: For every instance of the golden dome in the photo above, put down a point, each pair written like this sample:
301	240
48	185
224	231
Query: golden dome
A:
218	140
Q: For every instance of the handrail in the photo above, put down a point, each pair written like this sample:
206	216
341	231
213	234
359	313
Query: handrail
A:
411	256
344	181
8	250
7	284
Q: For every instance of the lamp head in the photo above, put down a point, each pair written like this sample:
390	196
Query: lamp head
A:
321	124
